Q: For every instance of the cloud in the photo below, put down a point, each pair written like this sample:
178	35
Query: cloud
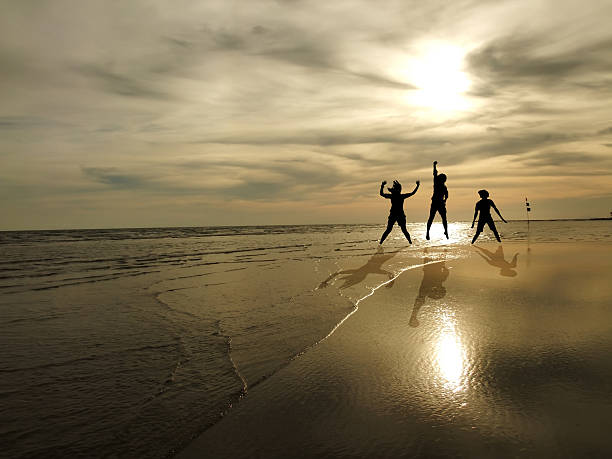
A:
560	159
529	60
120	84
111	176
24	122
605	131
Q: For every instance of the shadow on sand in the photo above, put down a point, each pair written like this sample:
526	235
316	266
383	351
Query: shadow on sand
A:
434	275
498	260
373	266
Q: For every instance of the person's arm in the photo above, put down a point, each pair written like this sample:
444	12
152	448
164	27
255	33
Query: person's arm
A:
445	197
500	215
325	283
382	188
514	260
435	170
407	195
475	214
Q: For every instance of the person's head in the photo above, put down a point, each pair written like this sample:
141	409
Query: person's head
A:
508	272
441	178
437	292
484	194
396	188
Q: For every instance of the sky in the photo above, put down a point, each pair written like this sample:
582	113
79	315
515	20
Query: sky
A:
196	113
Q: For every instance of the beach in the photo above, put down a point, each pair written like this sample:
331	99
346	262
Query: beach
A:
502	362
307	341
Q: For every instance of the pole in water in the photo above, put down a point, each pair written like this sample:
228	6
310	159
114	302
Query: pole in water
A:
528	209
527	206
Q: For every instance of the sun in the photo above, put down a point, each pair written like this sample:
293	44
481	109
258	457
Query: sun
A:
437	73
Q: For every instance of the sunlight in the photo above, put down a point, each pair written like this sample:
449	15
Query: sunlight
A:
438	74
450	356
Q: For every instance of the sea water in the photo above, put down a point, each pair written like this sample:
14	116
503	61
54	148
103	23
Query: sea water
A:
130	342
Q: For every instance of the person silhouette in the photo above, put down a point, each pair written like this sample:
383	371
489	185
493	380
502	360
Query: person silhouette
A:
438	201
497	259
434	275
396	214
484	207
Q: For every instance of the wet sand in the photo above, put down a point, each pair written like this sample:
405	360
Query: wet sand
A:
461	352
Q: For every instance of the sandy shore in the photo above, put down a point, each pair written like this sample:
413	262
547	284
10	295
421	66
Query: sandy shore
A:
467	352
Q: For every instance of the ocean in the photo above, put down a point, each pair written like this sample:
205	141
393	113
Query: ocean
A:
132	342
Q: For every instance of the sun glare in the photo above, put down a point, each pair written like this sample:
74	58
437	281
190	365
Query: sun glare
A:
439	77
450	356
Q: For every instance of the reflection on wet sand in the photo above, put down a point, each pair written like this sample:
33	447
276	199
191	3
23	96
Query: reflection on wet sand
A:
498	260
358	275
434	274
449	355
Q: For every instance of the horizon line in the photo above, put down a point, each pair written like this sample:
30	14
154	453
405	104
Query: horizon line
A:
281	225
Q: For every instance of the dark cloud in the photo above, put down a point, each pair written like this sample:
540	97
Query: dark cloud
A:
119	83
24	122
225	40
111	176
526	60
257	190
328	138
605	131
559	159
296	181
297	49
259	30
321	56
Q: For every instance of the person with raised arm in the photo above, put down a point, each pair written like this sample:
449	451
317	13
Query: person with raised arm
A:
396	213
484	207
438	200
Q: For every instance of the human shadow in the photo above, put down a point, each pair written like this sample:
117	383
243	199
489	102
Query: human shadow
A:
498	260
358	275
434	275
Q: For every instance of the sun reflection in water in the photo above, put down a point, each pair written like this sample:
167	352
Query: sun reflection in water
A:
458	232
450	356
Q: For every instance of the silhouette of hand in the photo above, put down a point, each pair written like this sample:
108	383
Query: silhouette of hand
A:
435	162
418	182
384	182
504	221
472	224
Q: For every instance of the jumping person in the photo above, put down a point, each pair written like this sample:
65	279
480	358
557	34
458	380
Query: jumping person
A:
397	207
438	200
484	207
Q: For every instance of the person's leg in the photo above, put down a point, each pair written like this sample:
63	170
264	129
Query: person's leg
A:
390	223
442	211
478	230
402	224
491	224
432	214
